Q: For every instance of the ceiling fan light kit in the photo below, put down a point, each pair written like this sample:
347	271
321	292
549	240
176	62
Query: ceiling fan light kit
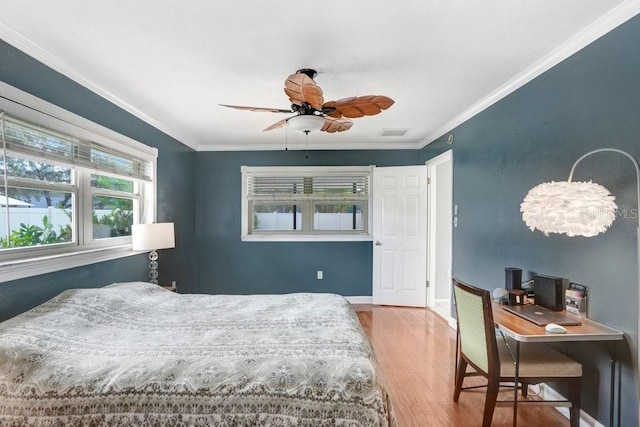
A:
306	123
313	113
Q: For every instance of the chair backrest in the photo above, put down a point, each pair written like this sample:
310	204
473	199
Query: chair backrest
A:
476	328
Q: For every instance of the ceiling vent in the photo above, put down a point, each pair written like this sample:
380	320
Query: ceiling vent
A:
393	132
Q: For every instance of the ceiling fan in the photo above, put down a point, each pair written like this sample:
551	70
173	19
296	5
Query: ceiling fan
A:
313	113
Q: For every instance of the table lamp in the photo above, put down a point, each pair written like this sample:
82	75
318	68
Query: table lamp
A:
151	237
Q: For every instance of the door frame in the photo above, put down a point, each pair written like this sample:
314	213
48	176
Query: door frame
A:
432	243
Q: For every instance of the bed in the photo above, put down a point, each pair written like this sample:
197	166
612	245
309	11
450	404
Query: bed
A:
137	354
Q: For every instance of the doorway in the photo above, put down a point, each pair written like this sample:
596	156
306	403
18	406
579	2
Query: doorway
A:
440	232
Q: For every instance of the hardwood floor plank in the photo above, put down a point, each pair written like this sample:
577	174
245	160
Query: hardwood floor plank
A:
415	349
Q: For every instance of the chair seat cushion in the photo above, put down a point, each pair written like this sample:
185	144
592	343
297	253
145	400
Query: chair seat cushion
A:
537	360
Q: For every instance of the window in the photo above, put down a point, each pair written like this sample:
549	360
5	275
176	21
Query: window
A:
70	190
306	203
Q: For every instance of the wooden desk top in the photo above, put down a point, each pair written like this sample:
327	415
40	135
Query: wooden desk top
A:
525	331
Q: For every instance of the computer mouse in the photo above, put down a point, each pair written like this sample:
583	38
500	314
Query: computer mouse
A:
555	329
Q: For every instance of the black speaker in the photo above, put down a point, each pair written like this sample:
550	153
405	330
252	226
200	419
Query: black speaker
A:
512	278
549	291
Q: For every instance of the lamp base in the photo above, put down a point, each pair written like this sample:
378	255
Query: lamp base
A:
153	267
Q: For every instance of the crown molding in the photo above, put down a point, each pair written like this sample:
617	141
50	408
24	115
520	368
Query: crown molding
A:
40	54
603	25
606	23
337	145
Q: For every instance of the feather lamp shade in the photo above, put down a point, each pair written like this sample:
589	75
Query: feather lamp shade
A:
571	208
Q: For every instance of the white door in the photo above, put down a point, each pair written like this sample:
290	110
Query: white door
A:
440	173
400	236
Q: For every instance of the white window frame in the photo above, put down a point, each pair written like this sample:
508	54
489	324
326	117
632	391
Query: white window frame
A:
32	261
306	235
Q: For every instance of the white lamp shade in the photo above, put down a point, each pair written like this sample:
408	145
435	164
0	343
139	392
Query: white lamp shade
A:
306	123
147	237
571	208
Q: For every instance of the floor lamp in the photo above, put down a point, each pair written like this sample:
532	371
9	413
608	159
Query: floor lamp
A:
150	237
579	209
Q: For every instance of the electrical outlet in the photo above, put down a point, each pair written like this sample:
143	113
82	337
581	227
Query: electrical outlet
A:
320	275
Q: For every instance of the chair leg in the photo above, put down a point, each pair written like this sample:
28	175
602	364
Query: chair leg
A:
524	390
574	397
462	368
490	402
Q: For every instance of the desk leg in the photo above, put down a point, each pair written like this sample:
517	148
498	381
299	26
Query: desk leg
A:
612	390
516	363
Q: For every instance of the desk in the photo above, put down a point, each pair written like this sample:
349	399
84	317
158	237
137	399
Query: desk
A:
522	330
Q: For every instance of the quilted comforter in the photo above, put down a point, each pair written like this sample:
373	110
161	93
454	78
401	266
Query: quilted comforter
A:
136	354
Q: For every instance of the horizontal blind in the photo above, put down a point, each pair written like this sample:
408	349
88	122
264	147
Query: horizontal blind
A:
308	186
29	139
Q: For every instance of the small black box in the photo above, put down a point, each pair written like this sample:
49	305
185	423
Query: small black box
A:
512	278
549	292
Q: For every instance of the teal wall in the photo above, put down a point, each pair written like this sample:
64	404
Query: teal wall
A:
228	265
589	101
176	164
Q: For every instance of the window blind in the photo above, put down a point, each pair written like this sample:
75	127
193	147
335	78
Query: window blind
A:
308	186
25	138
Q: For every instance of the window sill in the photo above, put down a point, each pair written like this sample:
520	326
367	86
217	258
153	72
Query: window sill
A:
22	268
307	238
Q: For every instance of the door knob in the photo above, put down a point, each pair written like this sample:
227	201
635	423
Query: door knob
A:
378	243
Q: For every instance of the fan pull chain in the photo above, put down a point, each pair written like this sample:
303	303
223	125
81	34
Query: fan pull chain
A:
306	151
286	137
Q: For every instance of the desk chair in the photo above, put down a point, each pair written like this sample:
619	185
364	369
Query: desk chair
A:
492	357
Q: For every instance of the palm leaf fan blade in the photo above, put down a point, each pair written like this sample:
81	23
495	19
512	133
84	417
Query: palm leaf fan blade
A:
276	125
332	125
301	89
360	106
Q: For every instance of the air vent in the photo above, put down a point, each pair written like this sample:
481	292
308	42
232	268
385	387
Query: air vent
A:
393	132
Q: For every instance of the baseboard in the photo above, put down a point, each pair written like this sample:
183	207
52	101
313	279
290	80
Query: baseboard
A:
360	300
453	323
586	420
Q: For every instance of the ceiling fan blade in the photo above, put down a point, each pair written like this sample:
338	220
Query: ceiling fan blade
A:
359	106
261	109
332	125
301	89
277	125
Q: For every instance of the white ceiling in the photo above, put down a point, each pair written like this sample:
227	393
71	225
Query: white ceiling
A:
171	63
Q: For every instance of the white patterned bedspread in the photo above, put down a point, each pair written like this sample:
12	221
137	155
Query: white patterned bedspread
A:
136	354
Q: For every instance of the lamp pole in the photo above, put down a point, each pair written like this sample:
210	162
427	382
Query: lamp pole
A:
635	164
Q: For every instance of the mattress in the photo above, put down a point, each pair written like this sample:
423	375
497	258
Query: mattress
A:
137	354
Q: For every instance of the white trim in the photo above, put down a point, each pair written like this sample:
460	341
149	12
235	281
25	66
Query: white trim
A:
33	261
359	300
22	268
42	55
38	111
306	238
615	17
586	420
606	23
447	156
297	170
453	323
330	145
306	235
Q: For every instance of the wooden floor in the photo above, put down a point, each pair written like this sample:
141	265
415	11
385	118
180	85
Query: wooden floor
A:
415	350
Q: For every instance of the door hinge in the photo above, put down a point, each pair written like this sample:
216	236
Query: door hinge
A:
428	181
427	283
